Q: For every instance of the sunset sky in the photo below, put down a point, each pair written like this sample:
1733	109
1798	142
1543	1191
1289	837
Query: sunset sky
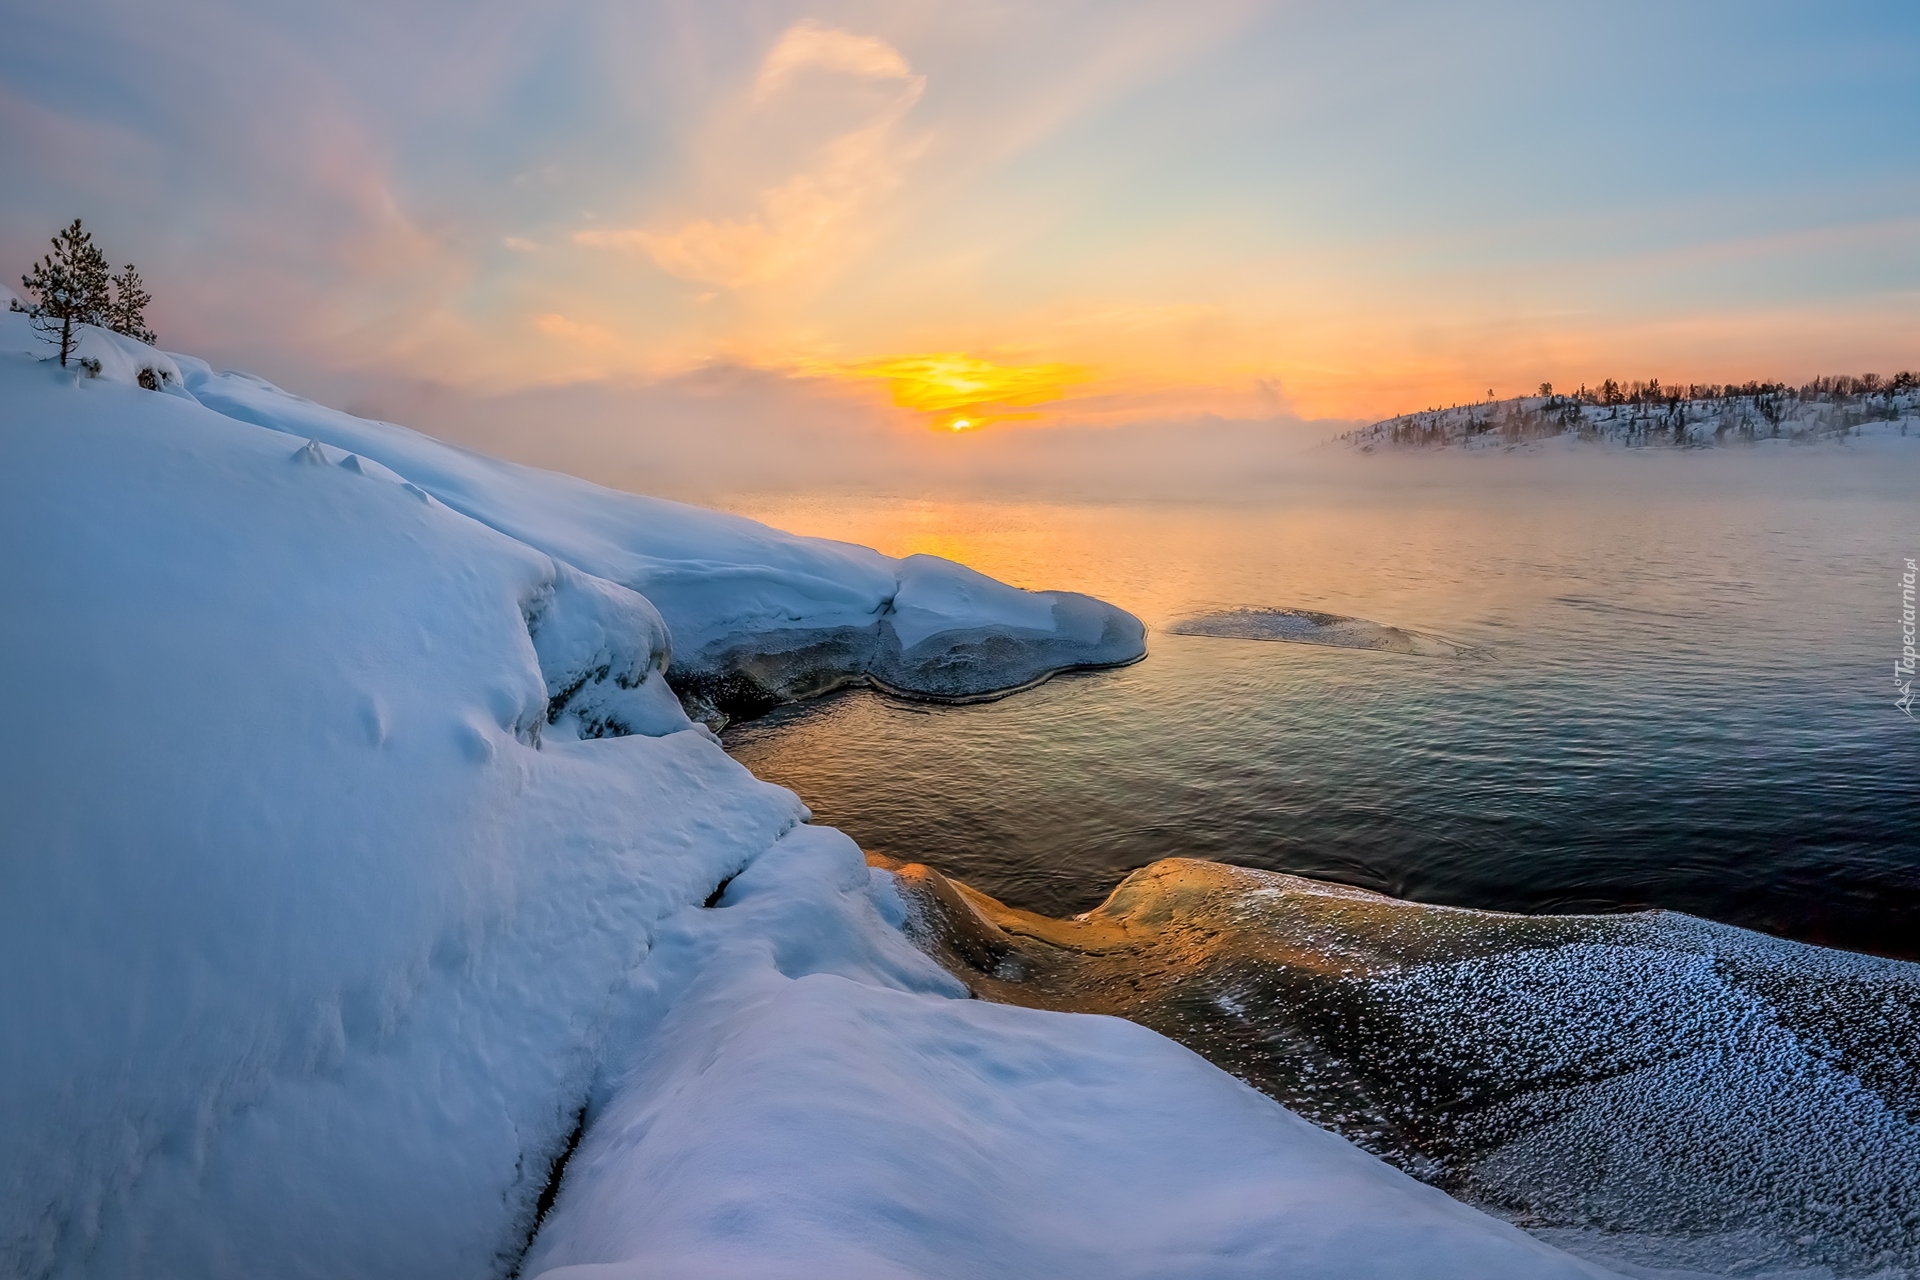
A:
989	214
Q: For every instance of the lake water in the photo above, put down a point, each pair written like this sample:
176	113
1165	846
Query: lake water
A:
1680	694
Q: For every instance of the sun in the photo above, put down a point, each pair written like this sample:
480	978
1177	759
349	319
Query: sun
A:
977	392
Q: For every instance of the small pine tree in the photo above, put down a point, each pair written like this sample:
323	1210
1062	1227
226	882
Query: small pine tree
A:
127	314
70	288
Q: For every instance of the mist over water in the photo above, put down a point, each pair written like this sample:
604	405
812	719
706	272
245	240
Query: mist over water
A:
1679	695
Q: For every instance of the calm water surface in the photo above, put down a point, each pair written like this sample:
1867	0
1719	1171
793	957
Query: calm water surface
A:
1681	694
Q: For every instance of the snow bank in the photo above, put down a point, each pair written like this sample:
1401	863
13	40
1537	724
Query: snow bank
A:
807	1096
118	358
354	856
758	617
309	929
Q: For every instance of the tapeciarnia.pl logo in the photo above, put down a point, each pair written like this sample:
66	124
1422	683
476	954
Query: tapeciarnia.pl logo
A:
1903	665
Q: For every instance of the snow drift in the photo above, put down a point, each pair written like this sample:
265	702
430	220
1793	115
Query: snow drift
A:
355	860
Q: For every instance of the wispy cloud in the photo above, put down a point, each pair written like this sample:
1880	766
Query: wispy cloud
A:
555	325
1091	211
805	217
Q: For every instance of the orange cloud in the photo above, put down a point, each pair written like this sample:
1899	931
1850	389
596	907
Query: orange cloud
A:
810	46
558	326
959	392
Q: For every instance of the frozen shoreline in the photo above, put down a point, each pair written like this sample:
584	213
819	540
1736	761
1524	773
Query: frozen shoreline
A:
356	864
1649	1089
759	617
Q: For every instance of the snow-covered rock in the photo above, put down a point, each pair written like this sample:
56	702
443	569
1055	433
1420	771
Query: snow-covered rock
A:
1767	416
758	617
308	933
354	860
806	1096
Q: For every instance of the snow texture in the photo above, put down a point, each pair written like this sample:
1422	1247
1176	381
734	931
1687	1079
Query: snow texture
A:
758	617
354	861
808	1096
1653	1090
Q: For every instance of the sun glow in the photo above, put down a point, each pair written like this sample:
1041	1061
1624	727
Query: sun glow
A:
961	392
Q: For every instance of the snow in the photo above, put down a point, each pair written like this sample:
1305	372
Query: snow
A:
811	1097
758	616
318	942
356	843
121	359
1883	422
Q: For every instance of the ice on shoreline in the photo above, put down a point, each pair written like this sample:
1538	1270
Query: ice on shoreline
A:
1651	1089
807	1096
758	617
355	862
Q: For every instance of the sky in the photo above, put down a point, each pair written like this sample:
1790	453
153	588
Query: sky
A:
859	220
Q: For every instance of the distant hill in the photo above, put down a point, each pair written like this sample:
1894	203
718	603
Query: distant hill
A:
1647	415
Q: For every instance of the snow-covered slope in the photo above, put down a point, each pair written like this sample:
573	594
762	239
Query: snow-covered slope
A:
354	857
758	616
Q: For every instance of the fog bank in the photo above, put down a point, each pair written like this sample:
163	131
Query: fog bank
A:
730	429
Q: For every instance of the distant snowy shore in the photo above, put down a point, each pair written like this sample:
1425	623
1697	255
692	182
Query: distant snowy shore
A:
370	907
1887	415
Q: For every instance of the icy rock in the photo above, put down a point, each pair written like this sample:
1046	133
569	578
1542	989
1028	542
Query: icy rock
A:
1651	1089
957	635
1307	626
806	1096
603	652
758	617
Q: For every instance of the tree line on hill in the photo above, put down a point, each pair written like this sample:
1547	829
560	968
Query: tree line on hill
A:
1644	413
73	286
1838	388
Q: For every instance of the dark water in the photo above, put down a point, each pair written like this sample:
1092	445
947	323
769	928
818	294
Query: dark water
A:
1681	695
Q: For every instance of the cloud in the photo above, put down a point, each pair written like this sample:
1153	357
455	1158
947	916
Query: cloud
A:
807	217
810	46
555	325
1185	200
961	392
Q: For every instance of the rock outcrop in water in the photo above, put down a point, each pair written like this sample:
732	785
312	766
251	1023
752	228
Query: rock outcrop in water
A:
924	657
1648	1088
1305	626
